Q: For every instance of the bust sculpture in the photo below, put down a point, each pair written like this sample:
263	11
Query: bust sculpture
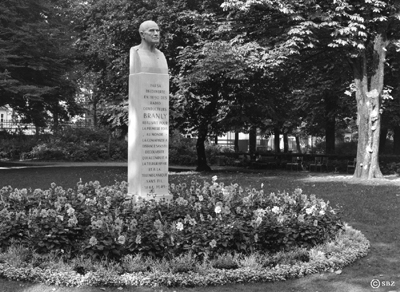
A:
148	117
146	58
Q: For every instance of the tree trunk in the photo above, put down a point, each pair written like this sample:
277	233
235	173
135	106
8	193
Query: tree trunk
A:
201	150
298	144
368	110
285	143
276	140
331	104
55	122
236	145
94	102
252	142
330	136
396	140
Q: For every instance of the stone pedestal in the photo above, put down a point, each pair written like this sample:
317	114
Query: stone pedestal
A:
148	125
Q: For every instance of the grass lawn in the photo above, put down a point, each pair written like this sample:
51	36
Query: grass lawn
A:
371	207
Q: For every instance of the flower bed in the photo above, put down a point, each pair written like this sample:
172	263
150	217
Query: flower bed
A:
348	246
207	227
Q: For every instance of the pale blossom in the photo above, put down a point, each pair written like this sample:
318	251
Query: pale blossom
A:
138	239
298	191
121	239
93	241
275	210
225	191
70	211
179	226
309	210
213	243
218	209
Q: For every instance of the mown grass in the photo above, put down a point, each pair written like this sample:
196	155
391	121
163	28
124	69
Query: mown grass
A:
369	206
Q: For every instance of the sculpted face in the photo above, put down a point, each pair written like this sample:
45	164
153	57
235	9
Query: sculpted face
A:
150	32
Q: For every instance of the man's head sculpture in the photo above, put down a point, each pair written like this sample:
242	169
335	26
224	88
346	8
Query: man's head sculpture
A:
150	34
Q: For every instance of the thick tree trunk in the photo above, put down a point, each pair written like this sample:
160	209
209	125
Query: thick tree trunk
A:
396	140
330	136
330	124
285	143
95	113
368	111
277	146
298	144
236	145
252	142
201	150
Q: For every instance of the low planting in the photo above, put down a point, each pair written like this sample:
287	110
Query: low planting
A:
79	144
213	232
21	263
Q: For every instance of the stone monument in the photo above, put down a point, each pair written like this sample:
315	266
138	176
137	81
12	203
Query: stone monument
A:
148	117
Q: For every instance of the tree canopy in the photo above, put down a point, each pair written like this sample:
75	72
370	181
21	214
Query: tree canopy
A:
36	56
365	31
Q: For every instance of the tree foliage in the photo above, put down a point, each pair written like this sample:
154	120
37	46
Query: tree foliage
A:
365	31
36	56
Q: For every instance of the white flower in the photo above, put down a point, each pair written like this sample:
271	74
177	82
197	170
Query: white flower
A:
179	226
70	211
298	191
275	210
214	178
93	241
322	212
218	209
213	243
121	239
309	210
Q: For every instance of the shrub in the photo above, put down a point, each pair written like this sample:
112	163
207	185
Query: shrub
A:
206	220
80	144
182	151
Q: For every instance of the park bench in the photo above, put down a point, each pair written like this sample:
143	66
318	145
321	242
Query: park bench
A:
295	164
265	162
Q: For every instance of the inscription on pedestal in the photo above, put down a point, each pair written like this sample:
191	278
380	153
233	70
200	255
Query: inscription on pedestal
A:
148	127
155	138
